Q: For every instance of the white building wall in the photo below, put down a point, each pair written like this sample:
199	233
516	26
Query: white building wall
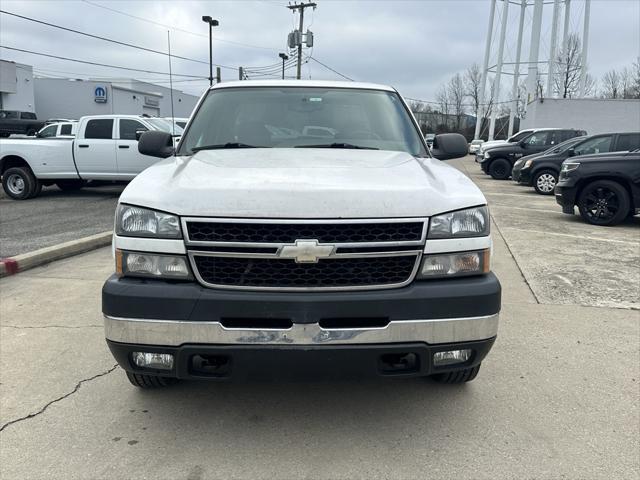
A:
595	115
16	87
62	98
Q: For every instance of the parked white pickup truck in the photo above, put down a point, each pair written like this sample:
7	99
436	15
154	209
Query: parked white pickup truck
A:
301	227
105	148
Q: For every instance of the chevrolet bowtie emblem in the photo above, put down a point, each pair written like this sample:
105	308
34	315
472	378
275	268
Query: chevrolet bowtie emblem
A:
306	251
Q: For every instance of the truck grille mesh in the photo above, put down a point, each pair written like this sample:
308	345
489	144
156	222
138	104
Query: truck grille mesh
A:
290	232
285	273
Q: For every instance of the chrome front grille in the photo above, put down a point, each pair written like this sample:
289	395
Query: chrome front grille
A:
303	255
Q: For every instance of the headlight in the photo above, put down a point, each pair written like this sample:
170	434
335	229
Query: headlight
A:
472	222
141	222
133	264
455	264
486	154
570	166
528	163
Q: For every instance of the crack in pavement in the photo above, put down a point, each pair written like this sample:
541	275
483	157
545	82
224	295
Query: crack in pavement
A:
66	395
20	327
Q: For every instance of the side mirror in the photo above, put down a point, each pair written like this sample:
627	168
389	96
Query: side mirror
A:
447	146
139	134
156	144
571	152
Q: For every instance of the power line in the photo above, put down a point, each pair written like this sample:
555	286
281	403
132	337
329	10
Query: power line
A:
329	68
98	37
171	27
96	63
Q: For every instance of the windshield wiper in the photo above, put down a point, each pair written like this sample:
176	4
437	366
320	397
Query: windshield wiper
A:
337	145
223	146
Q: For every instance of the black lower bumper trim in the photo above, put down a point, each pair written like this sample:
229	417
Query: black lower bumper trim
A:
257	362
159	300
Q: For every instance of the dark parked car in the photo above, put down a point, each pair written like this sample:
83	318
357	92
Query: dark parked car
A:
12	121
605	187
542	172
521	172
498	161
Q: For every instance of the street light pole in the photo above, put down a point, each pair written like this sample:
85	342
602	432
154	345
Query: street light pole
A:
212	23
284	58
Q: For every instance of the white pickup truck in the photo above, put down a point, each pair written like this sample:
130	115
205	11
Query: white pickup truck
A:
301	228
105	148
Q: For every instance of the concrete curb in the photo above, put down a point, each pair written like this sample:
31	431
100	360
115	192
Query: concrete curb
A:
20	263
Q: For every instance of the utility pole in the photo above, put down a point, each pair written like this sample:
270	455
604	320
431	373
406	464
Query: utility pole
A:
212	23
240	73
300	7
284	58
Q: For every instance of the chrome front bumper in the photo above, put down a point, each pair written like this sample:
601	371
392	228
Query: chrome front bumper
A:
173	333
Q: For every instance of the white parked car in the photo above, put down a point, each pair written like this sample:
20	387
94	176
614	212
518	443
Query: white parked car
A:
105	148
357	251
474	146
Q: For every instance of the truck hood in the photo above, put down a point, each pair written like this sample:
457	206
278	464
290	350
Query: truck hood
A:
302	183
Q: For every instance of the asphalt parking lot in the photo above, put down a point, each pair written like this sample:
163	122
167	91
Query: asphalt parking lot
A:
55	217
558	397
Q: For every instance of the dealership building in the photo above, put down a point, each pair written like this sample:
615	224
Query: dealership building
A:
16	87
74	98
63	98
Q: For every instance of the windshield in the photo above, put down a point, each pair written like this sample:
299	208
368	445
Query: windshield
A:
288	117
165	126
519	136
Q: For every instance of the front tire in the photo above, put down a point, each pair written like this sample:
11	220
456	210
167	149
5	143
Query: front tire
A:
459	376
148	382
604	202
544	182
500	169
18	183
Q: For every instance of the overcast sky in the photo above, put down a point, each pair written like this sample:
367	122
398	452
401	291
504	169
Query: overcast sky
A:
412	45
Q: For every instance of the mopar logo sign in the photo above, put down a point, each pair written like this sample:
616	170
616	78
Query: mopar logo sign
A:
100	94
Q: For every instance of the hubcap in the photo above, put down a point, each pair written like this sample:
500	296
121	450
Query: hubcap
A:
15	184
601	204
546	182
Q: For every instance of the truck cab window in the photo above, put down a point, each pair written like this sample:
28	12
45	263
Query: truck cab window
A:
49	131
99	129
129	127
65	129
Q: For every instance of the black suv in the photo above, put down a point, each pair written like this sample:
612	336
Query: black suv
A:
12	121
605	187
542	171
498	161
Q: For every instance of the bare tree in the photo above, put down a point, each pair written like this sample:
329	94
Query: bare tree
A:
567	81
635	78
611	84
626	83
444	102
456	96
472	81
